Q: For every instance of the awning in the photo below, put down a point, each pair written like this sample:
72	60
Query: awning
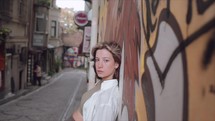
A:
50	46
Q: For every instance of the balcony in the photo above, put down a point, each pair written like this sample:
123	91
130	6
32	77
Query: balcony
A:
43	3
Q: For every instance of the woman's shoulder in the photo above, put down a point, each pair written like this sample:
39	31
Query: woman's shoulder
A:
89	93
93	90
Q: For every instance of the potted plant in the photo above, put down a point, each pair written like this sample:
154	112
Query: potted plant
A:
58	64
4	32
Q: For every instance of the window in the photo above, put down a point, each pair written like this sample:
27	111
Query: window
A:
21	8
40	23
53	28
5	8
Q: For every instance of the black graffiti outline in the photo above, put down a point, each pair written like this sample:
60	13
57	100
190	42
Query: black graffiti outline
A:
203	5
162	75
208	26
181	48
173	23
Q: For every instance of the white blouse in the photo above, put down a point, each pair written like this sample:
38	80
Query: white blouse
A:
103	105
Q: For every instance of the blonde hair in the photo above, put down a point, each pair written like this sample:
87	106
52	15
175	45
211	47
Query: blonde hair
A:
114	48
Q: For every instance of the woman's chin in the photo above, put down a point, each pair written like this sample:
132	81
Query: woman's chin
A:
100	76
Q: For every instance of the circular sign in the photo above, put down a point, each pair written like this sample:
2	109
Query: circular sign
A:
81	18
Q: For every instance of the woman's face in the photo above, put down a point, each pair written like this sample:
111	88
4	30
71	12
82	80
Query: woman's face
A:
105	64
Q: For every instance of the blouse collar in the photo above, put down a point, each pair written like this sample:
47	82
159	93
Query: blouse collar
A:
108	84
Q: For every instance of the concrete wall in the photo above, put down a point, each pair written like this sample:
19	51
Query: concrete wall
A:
168	69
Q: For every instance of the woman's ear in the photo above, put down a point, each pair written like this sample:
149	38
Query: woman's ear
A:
116	65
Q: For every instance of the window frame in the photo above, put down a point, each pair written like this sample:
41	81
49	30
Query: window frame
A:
53	29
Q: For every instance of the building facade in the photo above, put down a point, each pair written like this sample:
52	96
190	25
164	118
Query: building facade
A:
14	20
29	30
46	45
55	44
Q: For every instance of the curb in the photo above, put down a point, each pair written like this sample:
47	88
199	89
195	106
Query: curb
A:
32	88
18	94
26	90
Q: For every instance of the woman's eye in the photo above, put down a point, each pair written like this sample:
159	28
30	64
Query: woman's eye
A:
106	60
96	60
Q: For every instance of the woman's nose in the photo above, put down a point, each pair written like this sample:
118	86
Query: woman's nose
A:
100	64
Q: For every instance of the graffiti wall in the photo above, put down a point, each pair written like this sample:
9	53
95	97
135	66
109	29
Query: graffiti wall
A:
168	66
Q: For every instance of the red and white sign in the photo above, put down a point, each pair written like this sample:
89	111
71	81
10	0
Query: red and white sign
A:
80	18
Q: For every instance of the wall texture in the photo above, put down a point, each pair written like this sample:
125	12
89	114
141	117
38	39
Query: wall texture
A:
168	69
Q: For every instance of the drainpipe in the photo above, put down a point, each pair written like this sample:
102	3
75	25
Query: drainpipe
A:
94	24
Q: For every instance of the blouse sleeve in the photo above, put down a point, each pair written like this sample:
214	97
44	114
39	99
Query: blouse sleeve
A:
105	112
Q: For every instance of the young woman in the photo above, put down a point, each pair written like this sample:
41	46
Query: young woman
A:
102	102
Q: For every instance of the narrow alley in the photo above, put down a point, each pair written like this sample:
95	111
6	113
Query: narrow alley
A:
54	101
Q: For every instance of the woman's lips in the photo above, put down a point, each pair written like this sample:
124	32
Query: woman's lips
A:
99	71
